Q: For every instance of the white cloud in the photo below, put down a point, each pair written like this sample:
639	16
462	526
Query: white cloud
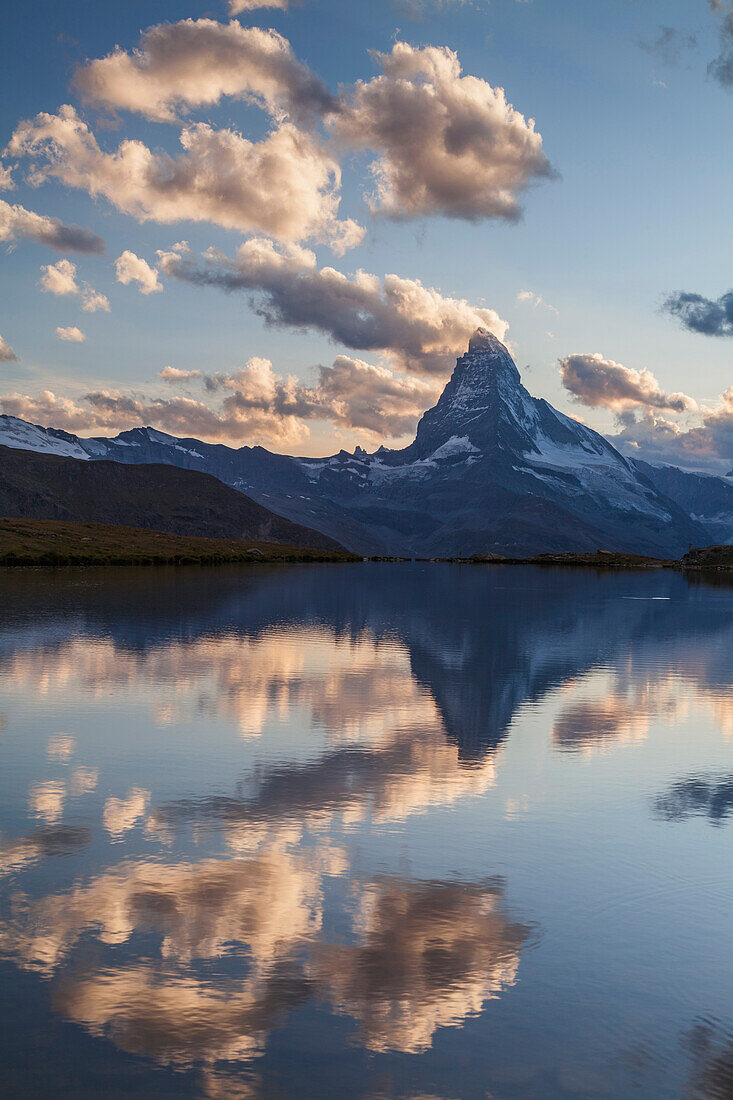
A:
287	185
60	279
71	334
93	301
236	7
447	143
16	221
194	63
6	178
535	300
131	268
418	328
7	355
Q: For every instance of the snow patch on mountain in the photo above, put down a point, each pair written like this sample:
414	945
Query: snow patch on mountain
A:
456	445
32	437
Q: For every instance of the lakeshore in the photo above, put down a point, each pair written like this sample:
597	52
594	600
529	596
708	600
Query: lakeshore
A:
26	542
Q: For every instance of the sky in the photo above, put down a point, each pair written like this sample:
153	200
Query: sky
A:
280	224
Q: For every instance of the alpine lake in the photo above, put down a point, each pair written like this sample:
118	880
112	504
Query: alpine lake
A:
381	831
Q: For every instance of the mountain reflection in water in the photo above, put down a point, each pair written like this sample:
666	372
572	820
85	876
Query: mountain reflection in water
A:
369	819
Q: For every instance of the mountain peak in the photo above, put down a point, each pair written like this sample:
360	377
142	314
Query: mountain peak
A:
483	340
484	392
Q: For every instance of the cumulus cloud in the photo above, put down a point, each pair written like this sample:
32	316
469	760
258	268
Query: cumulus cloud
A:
254	404
195	62
60	279
71	334
132	269
6	179
447	143
418	328
46	408
287	185
16	221
362	396
173	374
707	445
711	317
93	300
7	355
602	383
350	394
703	439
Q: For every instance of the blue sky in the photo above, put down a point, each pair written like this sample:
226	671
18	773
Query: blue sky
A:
638	137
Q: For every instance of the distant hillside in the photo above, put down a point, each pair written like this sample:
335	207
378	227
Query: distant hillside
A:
52	542
706	497
156	497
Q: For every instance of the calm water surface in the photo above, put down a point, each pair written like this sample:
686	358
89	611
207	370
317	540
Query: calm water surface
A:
390	831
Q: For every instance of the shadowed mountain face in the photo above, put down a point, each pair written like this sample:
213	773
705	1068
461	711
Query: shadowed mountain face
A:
491	469
706	497
156	497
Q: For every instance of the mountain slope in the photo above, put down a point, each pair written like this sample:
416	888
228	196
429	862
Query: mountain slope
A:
491	469
156	497
708	498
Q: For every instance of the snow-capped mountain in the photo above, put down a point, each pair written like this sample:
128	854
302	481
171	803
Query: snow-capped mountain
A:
491	469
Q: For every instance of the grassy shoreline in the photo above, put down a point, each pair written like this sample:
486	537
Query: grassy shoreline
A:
25	542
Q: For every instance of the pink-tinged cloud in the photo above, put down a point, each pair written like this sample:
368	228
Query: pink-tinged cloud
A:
287	185
706	445
236	7
446	143
251	405
602	383
174	375
60	279
7	355
197	62
419	329
71	334
17	222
